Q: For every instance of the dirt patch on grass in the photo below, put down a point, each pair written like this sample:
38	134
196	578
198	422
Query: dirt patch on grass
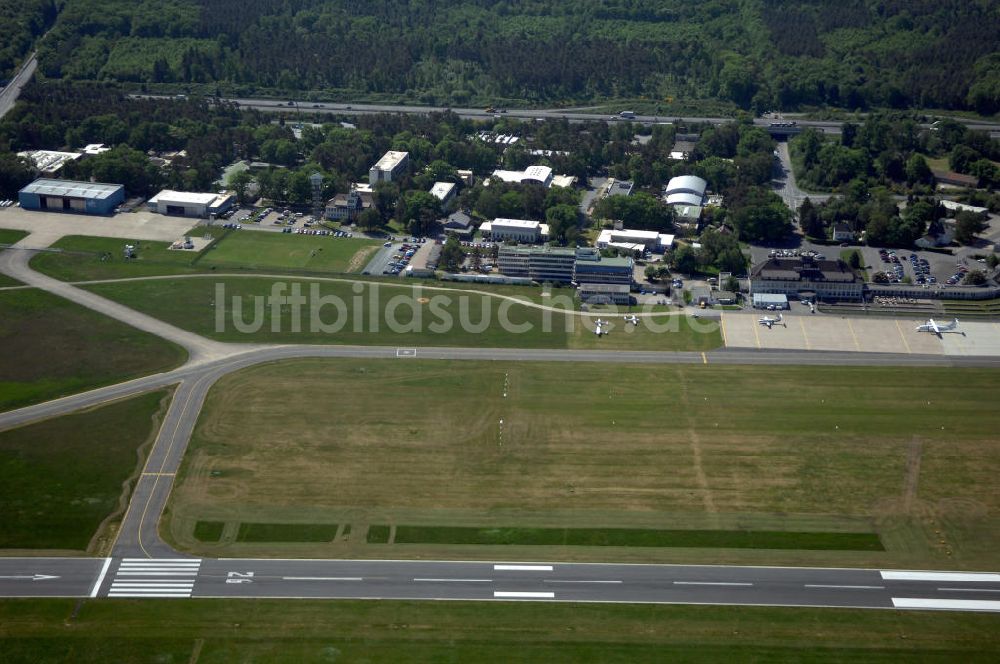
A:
361	258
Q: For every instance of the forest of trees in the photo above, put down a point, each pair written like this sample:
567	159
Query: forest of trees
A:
22	21
756	55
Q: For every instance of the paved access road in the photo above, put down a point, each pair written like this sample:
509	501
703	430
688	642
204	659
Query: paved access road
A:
143	565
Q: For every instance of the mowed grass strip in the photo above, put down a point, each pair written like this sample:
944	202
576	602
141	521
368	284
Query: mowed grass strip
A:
261	630
286	532
378	534
51	347
730	539
61	478
240	310
209	531
274	251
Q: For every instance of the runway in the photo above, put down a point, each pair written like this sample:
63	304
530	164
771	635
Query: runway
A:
143	565
234	578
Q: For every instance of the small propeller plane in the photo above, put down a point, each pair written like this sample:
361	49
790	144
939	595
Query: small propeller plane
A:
770	322
601	328
632	319
939	328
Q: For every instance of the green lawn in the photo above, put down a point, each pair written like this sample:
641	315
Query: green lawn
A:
61	478
86	258
279	251
221	631
286	532
628	537
710	463
50	347
405	315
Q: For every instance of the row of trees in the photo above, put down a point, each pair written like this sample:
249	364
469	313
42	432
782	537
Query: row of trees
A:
766	55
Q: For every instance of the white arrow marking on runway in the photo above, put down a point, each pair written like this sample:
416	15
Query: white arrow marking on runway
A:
710	583
322	578
33	577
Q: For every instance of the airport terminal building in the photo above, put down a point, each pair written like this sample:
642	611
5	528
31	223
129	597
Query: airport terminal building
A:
806	278
71	196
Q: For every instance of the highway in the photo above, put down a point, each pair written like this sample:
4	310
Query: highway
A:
143	565
294	106
10	93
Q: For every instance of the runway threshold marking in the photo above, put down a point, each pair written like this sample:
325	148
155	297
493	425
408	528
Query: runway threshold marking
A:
523	595
946	604
906	344
522	568
100	577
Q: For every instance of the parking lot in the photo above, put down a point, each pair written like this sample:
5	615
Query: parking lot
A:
394	256
804	331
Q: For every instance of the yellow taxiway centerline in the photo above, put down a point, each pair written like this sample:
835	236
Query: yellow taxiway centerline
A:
906	344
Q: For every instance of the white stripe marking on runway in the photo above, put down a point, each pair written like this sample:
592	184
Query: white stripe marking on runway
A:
193	572
157	594
941	576
152	584
455	580
171	561
577	581
952	604
710	583
100	577
970	590
514	594
820	585
523	568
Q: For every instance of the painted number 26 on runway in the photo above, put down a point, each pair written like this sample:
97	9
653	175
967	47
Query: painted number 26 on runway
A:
239	577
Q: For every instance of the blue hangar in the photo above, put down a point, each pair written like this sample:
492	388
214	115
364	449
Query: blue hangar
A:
70	196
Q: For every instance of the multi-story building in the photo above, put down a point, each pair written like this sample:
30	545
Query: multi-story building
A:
553	264
390	167
516	230
806	278
347	207
592	268
635	240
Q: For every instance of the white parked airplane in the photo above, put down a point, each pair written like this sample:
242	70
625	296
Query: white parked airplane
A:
632	319
769	322
601	327
938	328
